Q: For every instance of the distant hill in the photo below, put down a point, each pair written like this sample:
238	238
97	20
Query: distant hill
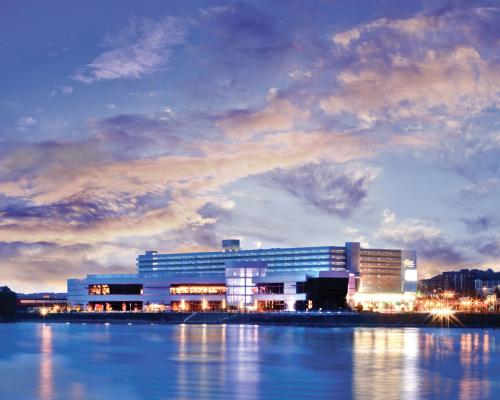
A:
8	303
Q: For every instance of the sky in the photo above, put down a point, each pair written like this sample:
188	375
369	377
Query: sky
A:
128	126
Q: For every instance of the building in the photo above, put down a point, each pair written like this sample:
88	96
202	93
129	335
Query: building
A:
34	302
465	282
290	279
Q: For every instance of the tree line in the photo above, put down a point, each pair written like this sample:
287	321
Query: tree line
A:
8	303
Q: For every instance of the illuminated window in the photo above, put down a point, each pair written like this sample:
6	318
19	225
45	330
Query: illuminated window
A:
270	288
197	289
103	289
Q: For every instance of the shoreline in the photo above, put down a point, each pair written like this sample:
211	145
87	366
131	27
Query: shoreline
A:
363	319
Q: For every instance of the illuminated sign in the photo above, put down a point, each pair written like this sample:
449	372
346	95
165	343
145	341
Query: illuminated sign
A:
407	263
411	275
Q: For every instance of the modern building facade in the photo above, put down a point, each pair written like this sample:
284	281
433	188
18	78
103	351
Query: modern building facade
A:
33	302
324	277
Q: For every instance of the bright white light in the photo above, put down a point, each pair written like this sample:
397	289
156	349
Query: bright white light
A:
442	312
411	275
383	297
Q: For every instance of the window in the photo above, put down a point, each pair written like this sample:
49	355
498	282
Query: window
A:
103	289
197	289
270	288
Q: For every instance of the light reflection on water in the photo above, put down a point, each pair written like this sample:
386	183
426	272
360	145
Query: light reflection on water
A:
46	382
56	361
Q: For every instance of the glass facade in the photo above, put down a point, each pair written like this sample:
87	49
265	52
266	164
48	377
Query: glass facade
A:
240	285
292	260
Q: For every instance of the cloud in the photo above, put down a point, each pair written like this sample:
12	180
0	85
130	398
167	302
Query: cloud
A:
480	224
337	189
480	189
56	177
491	248
142	48
67	90
22	262
345	38
139	135
426	66
81	210
278	115
217	210
243	30
299	74
423	236
465	21
215	11
24	123
473	152
456	83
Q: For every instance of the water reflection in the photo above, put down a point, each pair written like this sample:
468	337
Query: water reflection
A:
416	363
385	363
246	374
52	362
206	359
472	355
46	389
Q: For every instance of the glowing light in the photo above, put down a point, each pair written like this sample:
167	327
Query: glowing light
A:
197	289
155	307
445	312
411	275
44	311
384	297
443	316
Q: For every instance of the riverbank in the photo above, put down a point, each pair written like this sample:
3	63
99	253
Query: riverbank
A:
364	319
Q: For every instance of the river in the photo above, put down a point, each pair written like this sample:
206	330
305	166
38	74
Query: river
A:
118	361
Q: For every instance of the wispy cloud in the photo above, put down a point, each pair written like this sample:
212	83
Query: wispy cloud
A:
333	188
480	224
424	66
421	235
26	260
67	90
491	248
138	50
279	114
25	123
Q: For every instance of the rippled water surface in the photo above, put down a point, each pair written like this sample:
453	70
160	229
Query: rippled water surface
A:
76	361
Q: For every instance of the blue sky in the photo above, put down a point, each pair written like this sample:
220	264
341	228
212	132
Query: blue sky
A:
127	126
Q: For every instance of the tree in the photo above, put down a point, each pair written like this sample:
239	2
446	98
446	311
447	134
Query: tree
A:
8	303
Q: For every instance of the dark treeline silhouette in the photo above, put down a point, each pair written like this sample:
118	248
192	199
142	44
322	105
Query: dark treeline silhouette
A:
8	303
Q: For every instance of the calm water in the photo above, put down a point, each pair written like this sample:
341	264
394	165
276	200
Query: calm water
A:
58	361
